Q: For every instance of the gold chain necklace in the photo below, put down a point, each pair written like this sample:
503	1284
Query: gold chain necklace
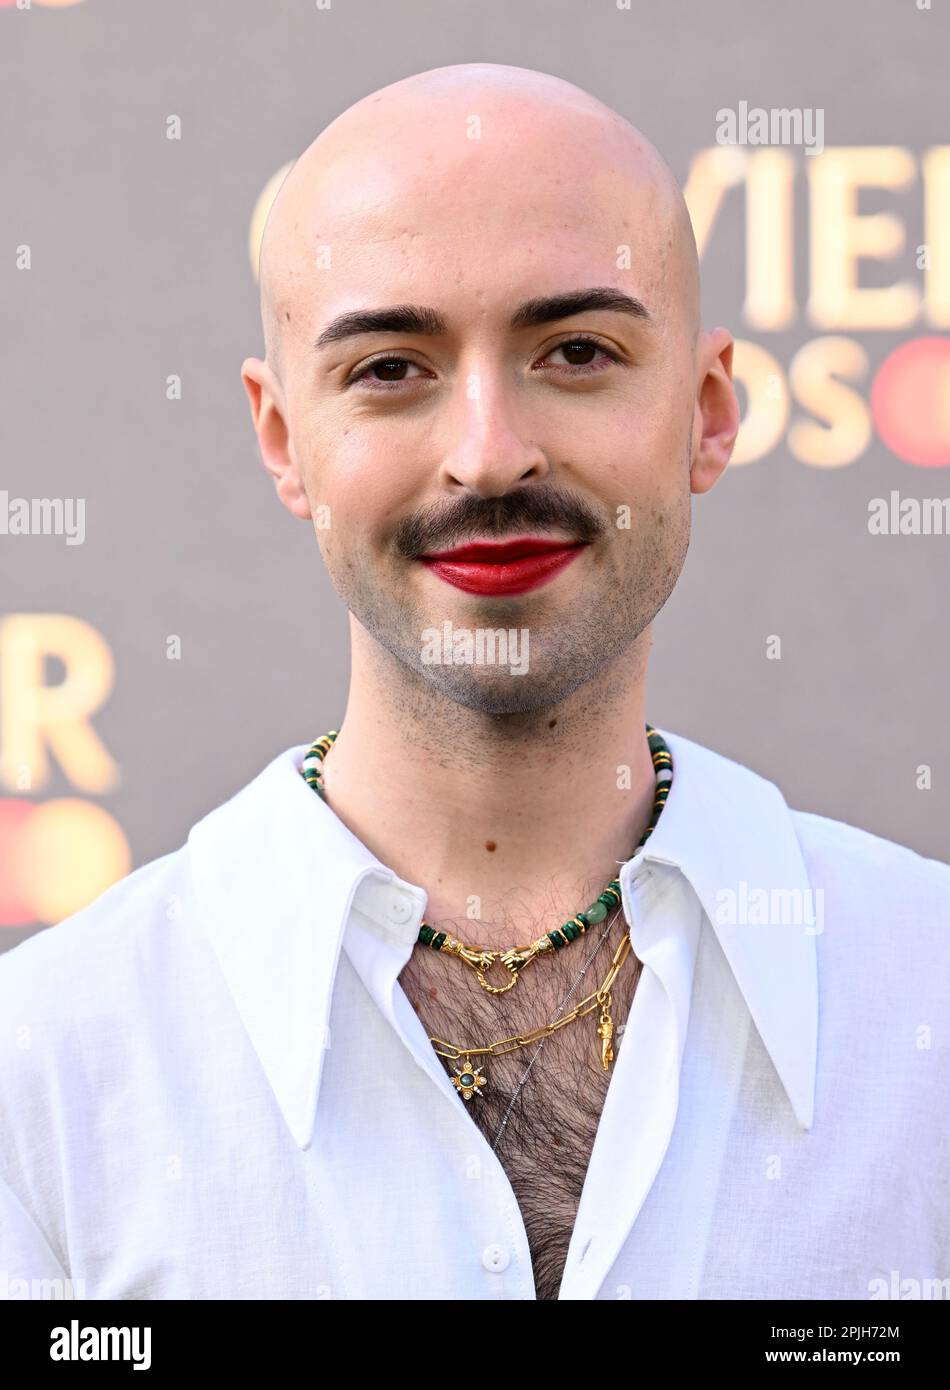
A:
540	1048
515	958
468	1079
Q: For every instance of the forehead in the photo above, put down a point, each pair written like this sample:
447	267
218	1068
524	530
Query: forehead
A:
480	223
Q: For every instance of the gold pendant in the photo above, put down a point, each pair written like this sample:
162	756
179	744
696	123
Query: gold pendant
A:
495	989
605	1031
467	1079
514	960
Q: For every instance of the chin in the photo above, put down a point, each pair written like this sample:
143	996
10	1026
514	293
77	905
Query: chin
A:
494	692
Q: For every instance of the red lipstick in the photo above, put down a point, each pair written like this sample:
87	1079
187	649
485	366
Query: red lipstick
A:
503	567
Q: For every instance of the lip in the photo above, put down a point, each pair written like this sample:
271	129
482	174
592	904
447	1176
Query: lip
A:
503	567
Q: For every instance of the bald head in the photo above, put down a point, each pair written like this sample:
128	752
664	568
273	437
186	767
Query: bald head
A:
460	158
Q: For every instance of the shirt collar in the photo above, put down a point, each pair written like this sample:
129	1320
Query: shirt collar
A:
730	832
276	874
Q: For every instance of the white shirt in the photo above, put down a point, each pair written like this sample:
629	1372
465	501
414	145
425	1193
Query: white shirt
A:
212	1084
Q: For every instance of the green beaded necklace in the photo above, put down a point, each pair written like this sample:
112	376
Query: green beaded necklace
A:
515	958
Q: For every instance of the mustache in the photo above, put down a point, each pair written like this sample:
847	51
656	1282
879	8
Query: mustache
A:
445	525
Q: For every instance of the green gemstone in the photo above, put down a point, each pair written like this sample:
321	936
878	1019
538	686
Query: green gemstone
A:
467	1079
596	912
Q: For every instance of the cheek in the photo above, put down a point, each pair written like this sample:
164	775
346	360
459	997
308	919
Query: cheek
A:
362	483
638	423
336	455
634	451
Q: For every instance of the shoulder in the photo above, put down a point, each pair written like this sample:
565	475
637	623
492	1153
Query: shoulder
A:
872	863
885	911
70	968
873	890
857	862
84	1007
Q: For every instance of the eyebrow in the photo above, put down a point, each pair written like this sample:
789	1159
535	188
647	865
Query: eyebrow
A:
414	318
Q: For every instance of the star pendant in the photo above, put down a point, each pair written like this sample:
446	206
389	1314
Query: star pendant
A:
467	1079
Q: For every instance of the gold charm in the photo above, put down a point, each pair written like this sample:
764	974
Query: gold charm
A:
514	960
495	989
467	1079
605	1031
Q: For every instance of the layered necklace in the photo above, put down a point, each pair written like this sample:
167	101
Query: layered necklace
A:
469	1078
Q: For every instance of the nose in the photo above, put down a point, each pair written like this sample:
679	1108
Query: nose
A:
490	451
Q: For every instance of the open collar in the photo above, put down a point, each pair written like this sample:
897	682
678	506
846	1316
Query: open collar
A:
730	832
276	874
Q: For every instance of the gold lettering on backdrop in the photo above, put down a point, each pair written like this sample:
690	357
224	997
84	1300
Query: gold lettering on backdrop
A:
711	174
766	412
840	237
829	376
36	717
769	231
935	168
812	375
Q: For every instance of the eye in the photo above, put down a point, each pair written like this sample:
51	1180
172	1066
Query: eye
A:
389	372
586	349
392	369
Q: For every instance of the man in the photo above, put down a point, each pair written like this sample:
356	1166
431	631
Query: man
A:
383	1028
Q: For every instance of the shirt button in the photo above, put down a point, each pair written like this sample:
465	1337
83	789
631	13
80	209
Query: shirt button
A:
495	1258
400	908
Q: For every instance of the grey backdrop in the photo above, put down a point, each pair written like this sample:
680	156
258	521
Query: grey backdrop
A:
140	269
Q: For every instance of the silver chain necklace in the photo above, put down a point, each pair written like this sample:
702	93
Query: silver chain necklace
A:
558	1012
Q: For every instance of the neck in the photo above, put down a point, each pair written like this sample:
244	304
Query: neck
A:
522	812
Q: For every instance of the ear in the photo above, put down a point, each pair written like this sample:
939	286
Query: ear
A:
716	412
277	452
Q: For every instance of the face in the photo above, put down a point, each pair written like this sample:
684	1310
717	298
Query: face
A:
503	411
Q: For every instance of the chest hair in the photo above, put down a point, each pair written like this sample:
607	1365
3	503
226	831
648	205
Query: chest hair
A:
549	1132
